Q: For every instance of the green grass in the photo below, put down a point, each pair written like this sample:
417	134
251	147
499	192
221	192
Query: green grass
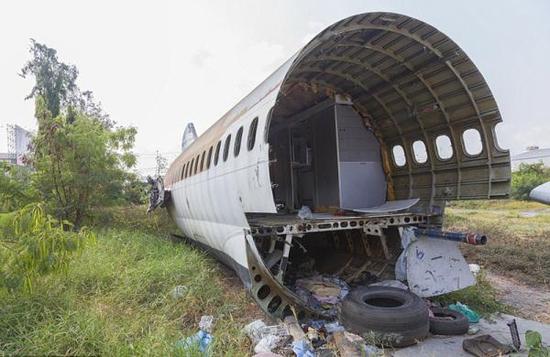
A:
115	300
518	246
481	298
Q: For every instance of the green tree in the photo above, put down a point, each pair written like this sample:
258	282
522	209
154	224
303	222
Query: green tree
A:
55	82
134	190
80	163
16	190
527	177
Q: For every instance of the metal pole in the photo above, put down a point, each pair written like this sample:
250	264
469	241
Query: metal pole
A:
469	238
284	259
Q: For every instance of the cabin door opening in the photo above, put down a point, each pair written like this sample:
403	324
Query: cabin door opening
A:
325	158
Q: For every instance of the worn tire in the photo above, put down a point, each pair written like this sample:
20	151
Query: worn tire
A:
440	324
395	317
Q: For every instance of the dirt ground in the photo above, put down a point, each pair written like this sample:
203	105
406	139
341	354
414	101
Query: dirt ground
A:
529	302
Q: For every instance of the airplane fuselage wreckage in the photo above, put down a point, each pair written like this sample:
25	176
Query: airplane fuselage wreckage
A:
342	161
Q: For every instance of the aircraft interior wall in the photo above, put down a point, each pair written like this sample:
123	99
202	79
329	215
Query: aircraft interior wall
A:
325	158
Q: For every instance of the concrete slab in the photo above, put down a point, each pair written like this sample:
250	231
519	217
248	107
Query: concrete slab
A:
496	327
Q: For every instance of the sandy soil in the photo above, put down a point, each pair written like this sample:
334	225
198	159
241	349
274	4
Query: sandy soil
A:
530	302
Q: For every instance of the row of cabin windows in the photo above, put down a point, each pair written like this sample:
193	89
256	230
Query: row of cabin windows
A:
197	164
471	139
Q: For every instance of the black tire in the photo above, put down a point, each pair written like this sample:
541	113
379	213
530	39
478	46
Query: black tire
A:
448	322
395	317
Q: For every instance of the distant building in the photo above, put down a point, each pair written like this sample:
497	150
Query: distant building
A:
19	141
532	155
11	158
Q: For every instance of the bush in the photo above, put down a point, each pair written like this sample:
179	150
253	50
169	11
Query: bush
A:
16	190
527	178
34	243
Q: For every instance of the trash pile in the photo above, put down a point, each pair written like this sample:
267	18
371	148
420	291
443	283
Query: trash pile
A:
308	339
318	337
322	292
359	321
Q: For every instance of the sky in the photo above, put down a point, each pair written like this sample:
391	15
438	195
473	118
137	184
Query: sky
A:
158	65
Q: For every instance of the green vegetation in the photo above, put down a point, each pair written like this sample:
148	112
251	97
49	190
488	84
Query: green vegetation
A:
36	244
16	189
533	340
80	159
527	178
116	300
481	297
80	164
518	234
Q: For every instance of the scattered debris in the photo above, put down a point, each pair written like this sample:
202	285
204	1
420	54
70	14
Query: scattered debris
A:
514	333
407	237
333	327
349	344
322	291
267	354
472	330
294	328
471	315
254	330
200	340
474	268
485	346
372	351
268	343
302	348
305	213
206	323
266	338
391	283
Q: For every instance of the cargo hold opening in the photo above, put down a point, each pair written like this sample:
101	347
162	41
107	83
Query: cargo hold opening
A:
324	157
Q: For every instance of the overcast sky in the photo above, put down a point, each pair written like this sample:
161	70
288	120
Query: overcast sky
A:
158	65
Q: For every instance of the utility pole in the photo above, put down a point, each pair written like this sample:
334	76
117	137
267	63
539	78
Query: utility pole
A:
161	164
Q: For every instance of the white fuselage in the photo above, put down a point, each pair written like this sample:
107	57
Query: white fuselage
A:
210	206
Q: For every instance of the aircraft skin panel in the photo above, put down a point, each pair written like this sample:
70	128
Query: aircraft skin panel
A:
210	206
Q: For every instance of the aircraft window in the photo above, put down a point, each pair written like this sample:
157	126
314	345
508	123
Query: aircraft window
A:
497	133
472	142
209	157
182	171
202	160
252	134
399	157
191	168
226	147
444	147
419	150
217	155
196	163
238	138
186	168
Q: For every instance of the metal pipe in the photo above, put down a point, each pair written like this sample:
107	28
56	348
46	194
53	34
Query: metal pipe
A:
469	238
